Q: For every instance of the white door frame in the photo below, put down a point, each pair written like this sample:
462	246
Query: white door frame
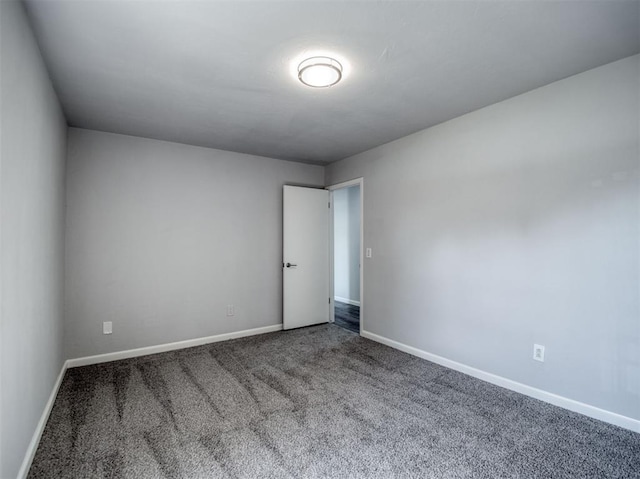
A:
345	184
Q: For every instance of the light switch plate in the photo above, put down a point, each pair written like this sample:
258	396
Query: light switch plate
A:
107	327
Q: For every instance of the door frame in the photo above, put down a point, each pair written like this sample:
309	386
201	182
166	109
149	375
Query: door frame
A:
338	186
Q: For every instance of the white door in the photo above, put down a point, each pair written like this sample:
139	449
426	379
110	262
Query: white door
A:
305	256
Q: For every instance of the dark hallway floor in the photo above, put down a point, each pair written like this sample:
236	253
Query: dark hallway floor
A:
347	316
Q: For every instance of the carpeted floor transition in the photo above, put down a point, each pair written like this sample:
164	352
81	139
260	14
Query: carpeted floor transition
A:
313	402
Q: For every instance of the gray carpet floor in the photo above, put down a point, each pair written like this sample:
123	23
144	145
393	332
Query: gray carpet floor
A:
313	402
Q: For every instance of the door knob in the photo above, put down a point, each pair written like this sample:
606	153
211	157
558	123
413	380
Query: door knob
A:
291	265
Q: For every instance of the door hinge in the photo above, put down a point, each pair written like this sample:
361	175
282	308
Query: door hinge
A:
329	300
329	205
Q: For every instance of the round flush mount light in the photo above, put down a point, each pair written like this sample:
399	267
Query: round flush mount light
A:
320	72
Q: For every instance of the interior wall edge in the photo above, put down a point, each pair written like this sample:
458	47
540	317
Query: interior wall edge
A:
546	396
103	358
163	348
347	301
42	423
34	151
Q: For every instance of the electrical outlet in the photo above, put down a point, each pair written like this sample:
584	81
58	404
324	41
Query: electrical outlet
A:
538	352
368	253
231	311
107	327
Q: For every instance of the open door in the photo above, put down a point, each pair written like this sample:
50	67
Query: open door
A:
305	257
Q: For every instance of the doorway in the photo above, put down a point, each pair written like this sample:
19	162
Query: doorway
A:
347	255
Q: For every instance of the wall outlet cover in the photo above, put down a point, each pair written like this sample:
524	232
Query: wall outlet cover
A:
230	310
538	352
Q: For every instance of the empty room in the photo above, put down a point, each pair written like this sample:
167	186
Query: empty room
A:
333	239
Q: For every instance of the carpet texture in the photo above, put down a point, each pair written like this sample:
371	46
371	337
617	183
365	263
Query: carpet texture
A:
313	402
347	316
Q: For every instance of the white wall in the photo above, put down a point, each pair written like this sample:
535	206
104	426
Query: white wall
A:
32	156
513	225
162	236
346	245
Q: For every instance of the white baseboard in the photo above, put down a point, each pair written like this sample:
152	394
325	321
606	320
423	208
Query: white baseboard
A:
566	403
348	301
35	440
556	400
162	348
131	353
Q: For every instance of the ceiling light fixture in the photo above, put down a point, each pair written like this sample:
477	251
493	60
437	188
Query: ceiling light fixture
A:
320	72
